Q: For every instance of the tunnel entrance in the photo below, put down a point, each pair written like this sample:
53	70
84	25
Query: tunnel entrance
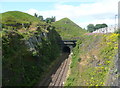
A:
66	49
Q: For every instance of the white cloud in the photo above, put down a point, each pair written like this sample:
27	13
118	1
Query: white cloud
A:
101	11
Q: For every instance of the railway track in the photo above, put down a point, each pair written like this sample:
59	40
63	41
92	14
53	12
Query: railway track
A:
58	73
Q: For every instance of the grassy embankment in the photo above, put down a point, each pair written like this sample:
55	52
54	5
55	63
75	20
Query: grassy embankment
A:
93	60
68	29
24	65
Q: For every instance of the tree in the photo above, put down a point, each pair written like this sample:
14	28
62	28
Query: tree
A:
41	18
53	19
104	25
35	15
90	28
98	26
48	20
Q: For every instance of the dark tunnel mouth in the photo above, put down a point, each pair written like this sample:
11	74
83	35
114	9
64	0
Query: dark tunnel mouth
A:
66	49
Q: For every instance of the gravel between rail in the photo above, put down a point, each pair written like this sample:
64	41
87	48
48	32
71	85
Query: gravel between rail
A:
58	74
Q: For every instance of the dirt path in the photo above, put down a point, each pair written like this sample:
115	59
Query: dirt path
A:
58	74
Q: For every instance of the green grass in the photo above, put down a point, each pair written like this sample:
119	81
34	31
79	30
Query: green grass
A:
18	16
14	17
28	67
13	20
97	54
68	29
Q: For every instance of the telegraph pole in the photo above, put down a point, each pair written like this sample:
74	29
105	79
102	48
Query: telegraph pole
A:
115	22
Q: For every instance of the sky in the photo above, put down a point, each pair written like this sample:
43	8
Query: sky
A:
82	12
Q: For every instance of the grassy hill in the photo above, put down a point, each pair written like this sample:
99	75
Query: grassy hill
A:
17	16
18	20
68	29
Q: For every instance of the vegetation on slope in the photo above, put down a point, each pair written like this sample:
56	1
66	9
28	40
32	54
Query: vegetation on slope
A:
18	19
68	29
25	59
22	66
94	61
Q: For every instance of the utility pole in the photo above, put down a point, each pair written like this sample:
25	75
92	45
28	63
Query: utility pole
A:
115	22
119	15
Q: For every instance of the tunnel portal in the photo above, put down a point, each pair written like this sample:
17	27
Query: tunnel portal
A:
66	49
67	45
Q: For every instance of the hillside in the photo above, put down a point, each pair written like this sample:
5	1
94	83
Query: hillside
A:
68	29
94	61
17	16
27	55
31	49
17	19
